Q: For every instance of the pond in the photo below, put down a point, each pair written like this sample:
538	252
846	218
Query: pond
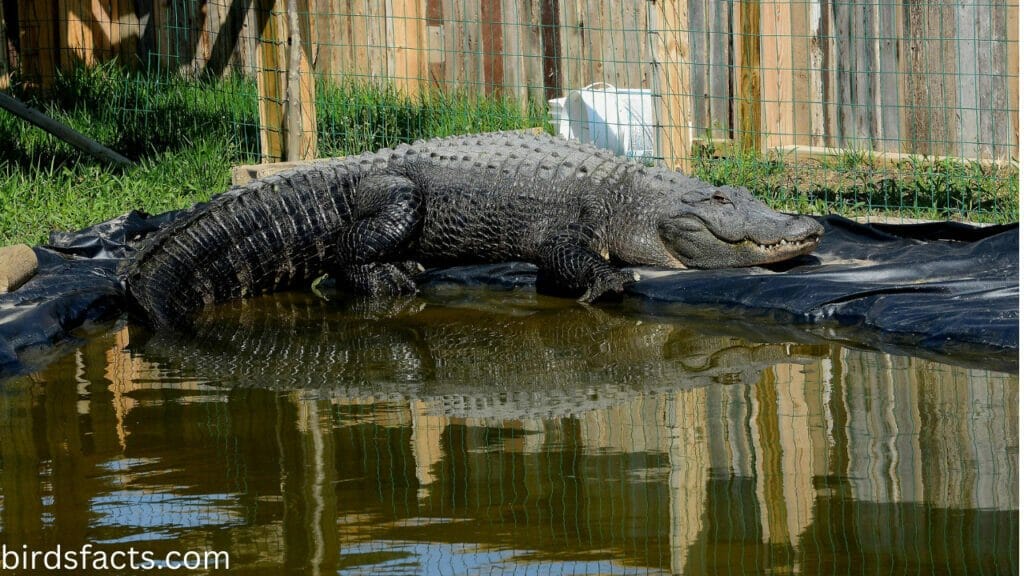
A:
506	432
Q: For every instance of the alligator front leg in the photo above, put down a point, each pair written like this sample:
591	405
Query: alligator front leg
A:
568	265
386	216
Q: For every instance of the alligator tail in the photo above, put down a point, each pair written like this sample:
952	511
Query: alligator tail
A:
263	236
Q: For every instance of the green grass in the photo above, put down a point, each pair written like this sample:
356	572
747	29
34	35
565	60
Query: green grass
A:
854	184
353	118
186	134
72	196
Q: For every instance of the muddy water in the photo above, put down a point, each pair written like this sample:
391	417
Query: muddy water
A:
501	433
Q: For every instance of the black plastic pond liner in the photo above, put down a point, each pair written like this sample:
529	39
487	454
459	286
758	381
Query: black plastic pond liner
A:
942	288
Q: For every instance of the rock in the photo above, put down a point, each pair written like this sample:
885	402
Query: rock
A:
18	263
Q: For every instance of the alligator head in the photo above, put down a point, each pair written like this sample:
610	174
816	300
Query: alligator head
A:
726	227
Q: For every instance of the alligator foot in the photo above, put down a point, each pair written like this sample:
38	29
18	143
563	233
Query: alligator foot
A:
569	266
375	279
608	283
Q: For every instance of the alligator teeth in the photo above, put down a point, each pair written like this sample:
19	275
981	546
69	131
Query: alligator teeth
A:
779	244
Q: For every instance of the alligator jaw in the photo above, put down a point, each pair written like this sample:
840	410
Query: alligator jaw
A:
783	249
693	243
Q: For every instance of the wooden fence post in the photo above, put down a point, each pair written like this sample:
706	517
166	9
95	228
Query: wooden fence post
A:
285	82
673	101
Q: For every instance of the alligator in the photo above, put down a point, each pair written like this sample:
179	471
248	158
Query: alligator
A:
374	220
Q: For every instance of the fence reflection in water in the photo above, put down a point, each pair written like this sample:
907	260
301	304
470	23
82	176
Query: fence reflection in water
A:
695	454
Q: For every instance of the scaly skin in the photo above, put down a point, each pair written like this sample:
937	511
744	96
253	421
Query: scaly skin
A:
574	210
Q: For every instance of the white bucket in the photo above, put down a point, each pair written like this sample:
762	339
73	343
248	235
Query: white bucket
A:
559	117
619	119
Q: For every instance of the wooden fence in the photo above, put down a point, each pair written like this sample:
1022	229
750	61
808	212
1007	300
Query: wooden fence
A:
937	77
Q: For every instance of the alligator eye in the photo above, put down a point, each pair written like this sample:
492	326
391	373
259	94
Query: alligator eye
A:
721	199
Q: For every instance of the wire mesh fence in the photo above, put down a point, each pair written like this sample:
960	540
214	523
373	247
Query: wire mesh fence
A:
856	106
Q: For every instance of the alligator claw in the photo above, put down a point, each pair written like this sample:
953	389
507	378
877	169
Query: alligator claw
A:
608	283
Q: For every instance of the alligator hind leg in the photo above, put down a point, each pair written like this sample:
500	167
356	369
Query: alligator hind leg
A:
386	216
570	267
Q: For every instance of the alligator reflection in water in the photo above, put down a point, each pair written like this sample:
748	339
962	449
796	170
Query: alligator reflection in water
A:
528	355
635	448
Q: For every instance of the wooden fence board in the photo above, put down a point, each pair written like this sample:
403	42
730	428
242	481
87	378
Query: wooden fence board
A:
575	73
719	69
994	56
523	58
864	76
208	18
361	29
929	30
533	49
843	66
406	44
991	93
300	94
628	44
356	59
699	73
1012	133
492	46
969	77
125	31
550	22
93	32
474	43
208	25
748	70
38	42
799	62
815	76
603	41
824	73
5	65
378	57
462	44
945	109
669	20
234	31
890	102
285	83
171	47
270	80
776	63
514	38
